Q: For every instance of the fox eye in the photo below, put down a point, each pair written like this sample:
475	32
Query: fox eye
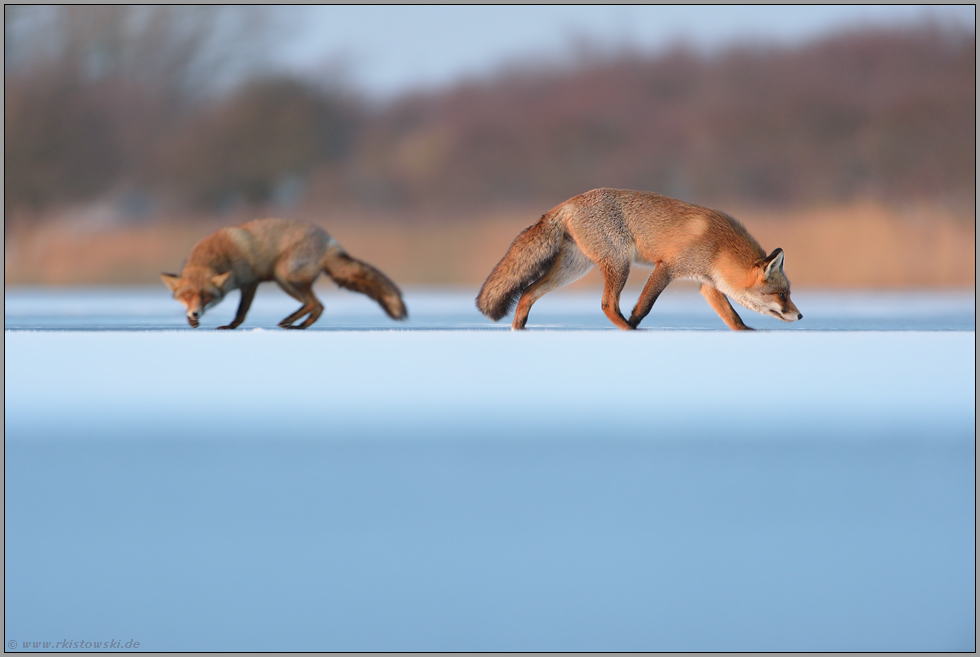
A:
782	295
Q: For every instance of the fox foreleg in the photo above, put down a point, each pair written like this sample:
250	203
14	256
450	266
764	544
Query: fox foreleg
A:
248	293
717	300
658	280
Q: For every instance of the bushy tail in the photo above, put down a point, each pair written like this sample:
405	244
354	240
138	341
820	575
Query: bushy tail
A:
527	259
359	276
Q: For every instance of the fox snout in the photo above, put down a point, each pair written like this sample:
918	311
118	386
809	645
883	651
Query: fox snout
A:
195	310
789	312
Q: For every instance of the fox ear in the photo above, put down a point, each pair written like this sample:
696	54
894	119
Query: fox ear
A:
171	280
220	279
772	262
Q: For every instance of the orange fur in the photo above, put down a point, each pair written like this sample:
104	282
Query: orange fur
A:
291	253
614	228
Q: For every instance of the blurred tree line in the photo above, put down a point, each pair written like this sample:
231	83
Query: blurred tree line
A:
171	107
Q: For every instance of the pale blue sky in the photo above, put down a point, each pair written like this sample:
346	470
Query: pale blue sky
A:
390	49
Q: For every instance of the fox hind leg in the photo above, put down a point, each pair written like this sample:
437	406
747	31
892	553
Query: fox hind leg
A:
295	274
615	274
613	252
301	289
302	292
569	266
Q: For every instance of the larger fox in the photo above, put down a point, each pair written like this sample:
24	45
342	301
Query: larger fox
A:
613	228
291	253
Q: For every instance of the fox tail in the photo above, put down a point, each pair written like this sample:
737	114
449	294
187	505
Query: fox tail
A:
527	259
359	276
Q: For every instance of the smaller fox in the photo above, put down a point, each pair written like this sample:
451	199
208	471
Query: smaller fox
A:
291	253
614	228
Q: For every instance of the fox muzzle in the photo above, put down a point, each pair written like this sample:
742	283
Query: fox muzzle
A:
790	316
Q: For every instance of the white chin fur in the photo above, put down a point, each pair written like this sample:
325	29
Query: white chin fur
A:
751	304
779	315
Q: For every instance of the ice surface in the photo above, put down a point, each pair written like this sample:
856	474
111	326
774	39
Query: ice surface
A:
214	384
679	307
472	489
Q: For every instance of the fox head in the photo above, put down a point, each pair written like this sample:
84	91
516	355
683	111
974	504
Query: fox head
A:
198	290
768	289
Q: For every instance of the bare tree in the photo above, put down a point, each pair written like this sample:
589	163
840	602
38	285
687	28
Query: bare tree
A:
89	91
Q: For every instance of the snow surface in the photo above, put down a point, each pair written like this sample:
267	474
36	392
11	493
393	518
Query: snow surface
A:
434	489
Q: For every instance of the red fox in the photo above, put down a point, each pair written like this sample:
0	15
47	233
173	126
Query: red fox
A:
291	253
613	228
